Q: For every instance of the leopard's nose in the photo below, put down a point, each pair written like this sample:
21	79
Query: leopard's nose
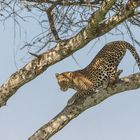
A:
56	74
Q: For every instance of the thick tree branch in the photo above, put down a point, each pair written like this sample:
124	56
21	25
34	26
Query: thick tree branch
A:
70	112
66	48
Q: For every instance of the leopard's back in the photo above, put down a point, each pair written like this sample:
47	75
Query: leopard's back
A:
111	54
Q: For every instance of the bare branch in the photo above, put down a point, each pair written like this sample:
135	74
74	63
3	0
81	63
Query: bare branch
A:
52	24
70	112
68	2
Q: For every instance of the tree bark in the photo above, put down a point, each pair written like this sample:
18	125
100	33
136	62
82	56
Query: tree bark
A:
70	112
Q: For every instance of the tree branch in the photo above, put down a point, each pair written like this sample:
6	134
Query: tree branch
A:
67	2
50	14
70	112
66	48
126	12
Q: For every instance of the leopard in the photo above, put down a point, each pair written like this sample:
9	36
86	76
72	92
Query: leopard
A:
101	71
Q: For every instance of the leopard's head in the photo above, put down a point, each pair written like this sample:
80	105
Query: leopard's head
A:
64	80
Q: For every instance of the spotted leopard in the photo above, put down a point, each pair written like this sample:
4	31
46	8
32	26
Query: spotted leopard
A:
100	71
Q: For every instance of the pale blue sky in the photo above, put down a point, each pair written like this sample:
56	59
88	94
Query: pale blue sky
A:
34	104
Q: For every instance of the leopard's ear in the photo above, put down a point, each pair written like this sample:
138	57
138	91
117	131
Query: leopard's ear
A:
70	74
57	74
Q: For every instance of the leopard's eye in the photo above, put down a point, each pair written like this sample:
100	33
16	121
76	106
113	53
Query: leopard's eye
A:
62	82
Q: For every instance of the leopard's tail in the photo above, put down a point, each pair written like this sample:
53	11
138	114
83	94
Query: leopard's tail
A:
134	53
